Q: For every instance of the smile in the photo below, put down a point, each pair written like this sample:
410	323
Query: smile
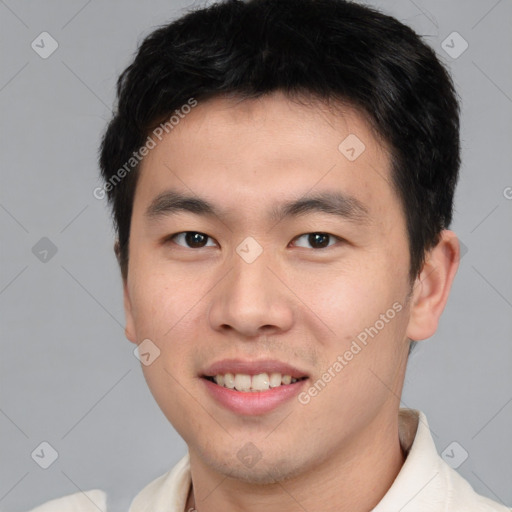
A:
246	383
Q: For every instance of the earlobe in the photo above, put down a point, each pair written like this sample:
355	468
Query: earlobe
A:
129	329
117	252
432	287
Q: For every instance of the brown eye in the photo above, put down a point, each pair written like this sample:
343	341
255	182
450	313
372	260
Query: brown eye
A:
191	239
318	240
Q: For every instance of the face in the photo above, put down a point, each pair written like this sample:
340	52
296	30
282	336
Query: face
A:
290	256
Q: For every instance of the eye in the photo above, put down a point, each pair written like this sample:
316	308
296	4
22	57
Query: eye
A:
317	240
192	239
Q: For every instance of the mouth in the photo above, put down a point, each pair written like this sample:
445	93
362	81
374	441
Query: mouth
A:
245	383
252	387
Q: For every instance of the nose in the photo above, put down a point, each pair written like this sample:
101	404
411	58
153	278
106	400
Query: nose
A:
251	300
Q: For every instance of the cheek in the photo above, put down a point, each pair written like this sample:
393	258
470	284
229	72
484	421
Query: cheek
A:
163	298
164	313
350	297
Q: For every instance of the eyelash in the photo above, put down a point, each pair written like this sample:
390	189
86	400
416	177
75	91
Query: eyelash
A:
171	238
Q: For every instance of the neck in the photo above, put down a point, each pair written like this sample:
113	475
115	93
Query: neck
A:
353	478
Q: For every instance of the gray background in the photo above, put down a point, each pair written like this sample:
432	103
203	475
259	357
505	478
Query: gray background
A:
70	378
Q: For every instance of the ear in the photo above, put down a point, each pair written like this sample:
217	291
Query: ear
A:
117	251
129	330
432	287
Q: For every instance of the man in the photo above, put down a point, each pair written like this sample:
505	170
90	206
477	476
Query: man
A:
282	174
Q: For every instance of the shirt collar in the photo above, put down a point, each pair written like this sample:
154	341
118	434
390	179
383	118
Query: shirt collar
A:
419	476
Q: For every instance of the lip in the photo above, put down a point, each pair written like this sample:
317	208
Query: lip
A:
252	368
253	403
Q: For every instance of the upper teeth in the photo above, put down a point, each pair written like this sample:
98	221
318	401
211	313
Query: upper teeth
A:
260	382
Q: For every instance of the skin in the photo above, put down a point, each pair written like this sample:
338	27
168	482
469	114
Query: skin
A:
296	302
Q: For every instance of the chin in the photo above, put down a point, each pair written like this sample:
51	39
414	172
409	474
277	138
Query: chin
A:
267	470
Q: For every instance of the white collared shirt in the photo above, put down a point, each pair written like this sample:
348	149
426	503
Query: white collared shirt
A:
425	483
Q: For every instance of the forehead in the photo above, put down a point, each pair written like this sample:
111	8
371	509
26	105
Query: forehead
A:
248	153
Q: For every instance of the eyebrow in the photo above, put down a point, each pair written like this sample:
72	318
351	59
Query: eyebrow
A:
333	203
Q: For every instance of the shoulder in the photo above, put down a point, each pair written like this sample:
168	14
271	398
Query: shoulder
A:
87	501
426	482
462	496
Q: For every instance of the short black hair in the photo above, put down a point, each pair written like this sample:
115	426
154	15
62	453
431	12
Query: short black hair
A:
324	49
